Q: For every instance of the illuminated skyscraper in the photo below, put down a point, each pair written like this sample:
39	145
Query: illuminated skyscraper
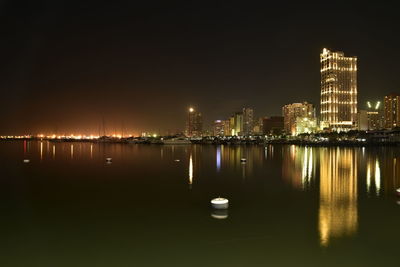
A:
338	91
218	129
375	115
194	123
292	112
248	121
392	111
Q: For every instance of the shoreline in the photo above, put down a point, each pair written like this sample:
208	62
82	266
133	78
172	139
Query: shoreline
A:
219	142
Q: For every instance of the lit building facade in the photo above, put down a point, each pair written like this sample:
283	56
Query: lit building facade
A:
236	124
227	127
338	91
218	128
248	121
392	111
194	123
375	117
306	125
292	112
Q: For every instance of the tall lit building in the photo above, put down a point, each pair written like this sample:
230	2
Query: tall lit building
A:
194	123
218	129
248	121
292	113
392	111
338	91
227	127
375	117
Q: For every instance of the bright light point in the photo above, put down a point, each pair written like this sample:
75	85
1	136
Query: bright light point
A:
191	109
154	135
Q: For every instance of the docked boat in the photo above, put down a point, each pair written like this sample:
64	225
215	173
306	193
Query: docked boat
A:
176	141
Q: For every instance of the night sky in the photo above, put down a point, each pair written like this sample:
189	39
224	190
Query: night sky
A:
140	64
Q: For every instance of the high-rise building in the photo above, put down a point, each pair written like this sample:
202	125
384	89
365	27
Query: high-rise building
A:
376	119
236	124
227	127
362	120
194	123
392	111
248	121
218	129
293	112
338	91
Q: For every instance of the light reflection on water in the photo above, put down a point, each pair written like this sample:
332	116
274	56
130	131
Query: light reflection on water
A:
336	180
338	214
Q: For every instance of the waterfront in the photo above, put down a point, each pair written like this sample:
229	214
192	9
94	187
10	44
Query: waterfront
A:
290	205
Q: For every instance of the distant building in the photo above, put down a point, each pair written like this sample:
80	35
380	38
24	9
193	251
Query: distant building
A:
338	91
306	125
227	127
258	126
376	119
273	125
218	128
194	123
305	112
392	111
362	120
248	121
236	124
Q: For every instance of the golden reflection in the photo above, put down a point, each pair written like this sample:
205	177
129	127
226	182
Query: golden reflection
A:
54	151
298	168
338	215
91	151
191	170
72	151
41	150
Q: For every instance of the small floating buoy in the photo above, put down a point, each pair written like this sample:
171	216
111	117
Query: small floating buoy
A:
219	214
26	160
220	203
243	160
177	160
398	192
108	160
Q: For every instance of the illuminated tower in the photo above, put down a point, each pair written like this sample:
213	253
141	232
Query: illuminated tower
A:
392	111
194	123
338	91
248	121
292	112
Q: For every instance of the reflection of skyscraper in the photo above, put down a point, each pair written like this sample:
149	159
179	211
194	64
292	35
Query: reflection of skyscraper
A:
338	90
298	167
194	124
338	194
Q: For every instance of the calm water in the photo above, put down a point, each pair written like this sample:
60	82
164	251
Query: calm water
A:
290	206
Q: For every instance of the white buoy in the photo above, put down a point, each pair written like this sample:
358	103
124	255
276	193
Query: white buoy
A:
177	160
220	203
398	192
26	161
108	160
243	160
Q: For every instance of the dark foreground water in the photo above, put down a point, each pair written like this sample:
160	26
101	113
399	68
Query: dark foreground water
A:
290	206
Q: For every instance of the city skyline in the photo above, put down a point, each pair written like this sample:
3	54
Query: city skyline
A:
222	60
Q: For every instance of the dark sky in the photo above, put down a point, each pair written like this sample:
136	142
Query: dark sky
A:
140	64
